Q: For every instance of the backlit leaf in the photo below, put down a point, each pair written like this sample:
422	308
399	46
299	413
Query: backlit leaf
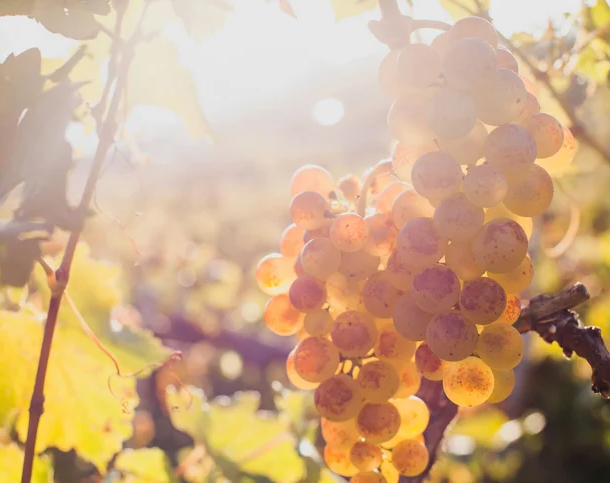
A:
351	8
146	465
11	461
464	8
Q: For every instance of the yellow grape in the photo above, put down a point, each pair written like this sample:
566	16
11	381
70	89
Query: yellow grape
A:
516	280
307	293
452	113
410	380
391	347
350	187
436	175
468	382
358	266
316	359
338	461
500	346
365	456
349	232
410	457
557	163
512	311
293	376
473	27
436	289
379	295
532	106
340	434
506	60
407	119
501	100
419	243
318	323
322	232
408	205
504	383
500	246
414	416
298	268
281	317
385	200
469	65
387	75
460	259
531	195
428	363
378	381
419	65
547	131
320	258
500	211
451	336
382	235
378	422
342	294
457	219
308	210
399	273
368	477
354	334
338	398
275	274
482	300
291	241
511	149
312	178
468	149
440	43
409	320
485	185
404	157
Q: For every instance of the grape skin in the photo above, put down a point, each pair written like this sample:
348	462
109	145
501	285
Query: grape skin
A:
308	210
368	477
485	185
358	266
293	376
501	100
341	435
404	156
385	199
531	195
546	131
378	422
291	241
322	232
320	258
410	379
511	149
365	456
400	274
466	150
428	363
409	320
436	175
468	382
274	274
500	211
342	294
419	65
473	27
419	243
457	219
559	161
516	280
378	381
408	205
460	259
452	113
504	382
407	119
410	457
316	359
350	187
500	246
348	232
382	235
469	65
307	293
451	337
482	300
500	346
440	43
436	289
339	398
312	178
512	311
354	333
318	323
379	295
338	461
281	317
391	347
506	60
414	416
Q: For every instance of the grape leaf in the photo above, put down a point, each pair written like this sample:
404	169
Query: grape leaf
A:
146	465
351	8
202	18
593	61
11	461
463	8
481	426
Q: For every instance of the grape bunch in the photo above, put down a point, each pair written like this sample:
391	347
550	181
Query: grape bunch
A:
424	281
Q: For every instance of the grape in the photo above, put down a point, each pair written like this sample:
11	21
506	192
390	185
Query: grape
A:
408	205
436	175
457	219
358	265
318	323
512	311
452	113
410	380
387	75
419	65
500	346
485	185
354	333
469	382
312	178
500	211
502	99
274	274
506	60
410	457
414	416
407	119
429	364
451	337
511	149
378	381
504	382
399	273
404	156
320	258
379	295
436	289
561	159
468	149
469	64
316	359
547	131
338	461
532	106
473	27
342	294
298	268
391	347
409	320
500	246
341	435
368	477
349	232
365	456
350	187
516	280
530	85
419	243
531	195
338	398
382	235
378	422
386	198
460	259
482	300
322	232
307	293
440	43
293	376
291	241
308	210
281	317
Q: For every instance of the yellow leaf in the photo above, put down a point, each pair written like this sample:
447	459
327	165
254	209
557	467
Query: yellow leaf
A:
11	461
464	8
351	8
146	465
480	426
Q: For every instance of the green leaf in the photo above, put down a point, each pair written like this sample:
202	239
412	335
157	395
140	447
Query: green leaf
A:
146	465
481	426
351	8
593	61
464	8
11	462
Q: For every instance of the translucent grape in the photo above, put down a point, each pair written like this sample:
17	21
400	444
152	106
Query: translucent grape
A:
531	195
281	317
547	131
378	422
482	300
410	457
410	380
308	210
387	77
354	334
358	265
379	295
511	149
469	382
342	294
502	99
275	274
469	64
419	65
298	268
506	60
485	185
404	157
350	187
452	113
291	241
368	477
338	398
512	311
500	346
500	211
382	235
318	323
516	280
386	198
436	289
557	163
407	119
500	246
473	27
436	175
320	258
428	363
460	259
399	273
440	43
419	243
307	293
532	106
468	149
338	461
409	320
365	456
457	219
322	232
378	381
391	347
349	232
341	435
414	416
293	376
316	359
504	383
451	337
408	205
312	178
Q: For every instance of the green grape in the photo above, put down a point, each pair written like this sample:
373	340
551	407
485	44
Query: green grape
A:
358	266
318	323
468	382
365	456
409	320
419	65
516	280
338	398
410	380
512	311
382	235
410	457
385	199
414	416
419	243
485	185
378	381
408	205
391	347
436	175
404	157
320	258
500	346
504	383
532	106
281	317
473	27
316	359
500	211
440	43
531	195
506	60
342	294
451	336
368	477
354	333
387	76
349	232
501	100
274	274
322	232
293	376
307	293
436	289
511	149
469	65
340	434
407	118
379	295
557	163
378	422
308	210
457	219
482	300
452	114
500	246
350	187
460	259
428	363
312	178
400	274
291	241
546	131
468	149
338	461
